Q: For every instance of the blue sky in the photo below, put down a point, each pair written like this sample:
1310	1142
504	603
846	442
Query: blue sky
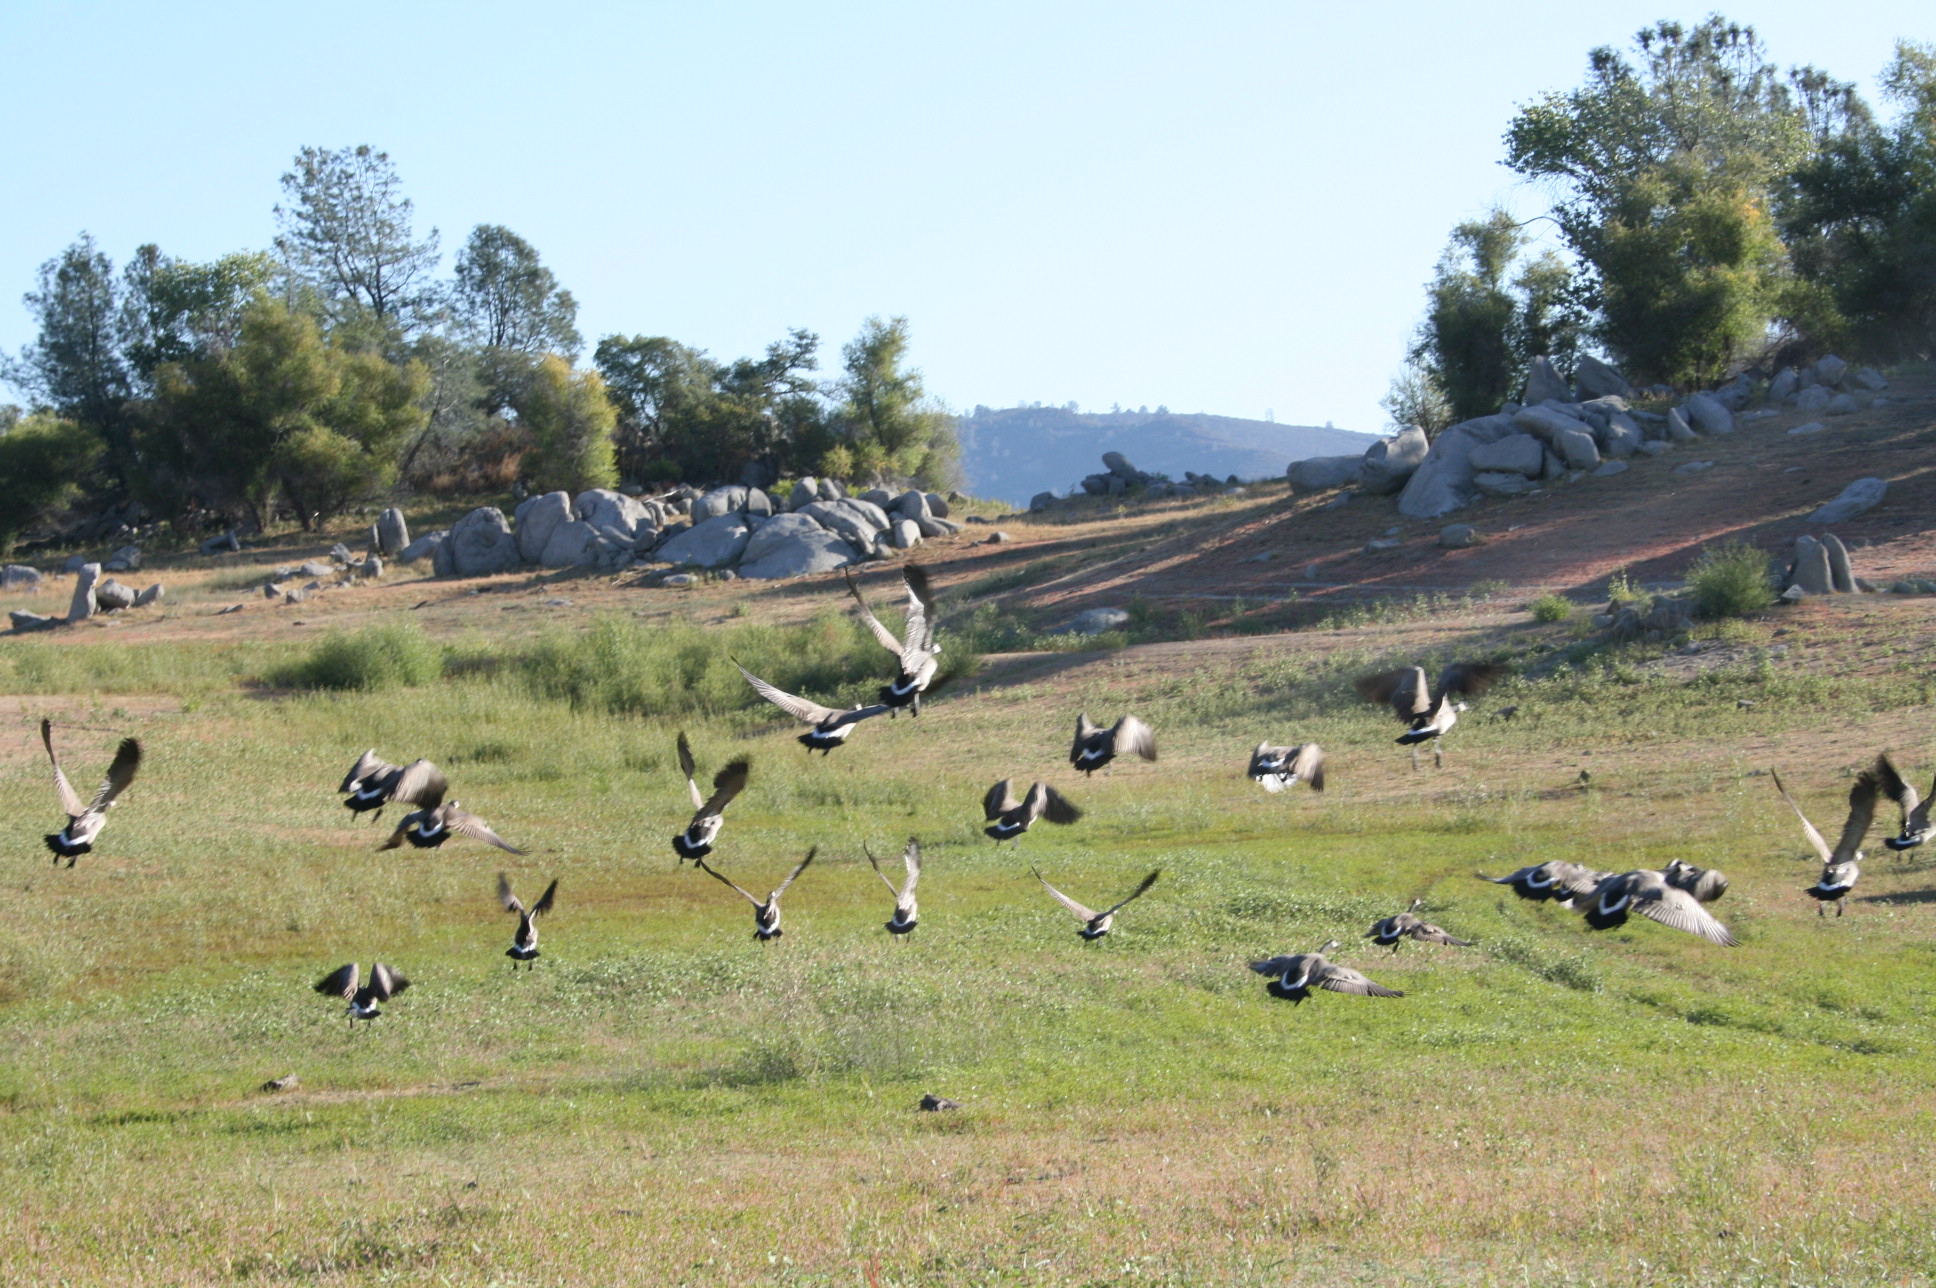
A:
1223	207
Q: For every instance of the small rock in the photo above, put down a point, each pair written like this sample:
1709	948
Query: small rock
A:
224	544
1382	543
24	621
152	595
340	555
314	585
1871	379
1693	467
1457	536
126	559
1842	405
232	608
295	595
372	567
317	568
1041	501
1812	427
272	591
678	579
1858	497
1607	469
1656	447
1095	621
1814	398
20	577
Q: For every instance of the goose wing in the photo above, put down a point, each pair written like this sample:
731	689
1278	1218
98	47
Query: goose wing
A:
420	783
717	875
1576	879
1432	934
799	708
1342	979
885	879
855	715
1277	965
1077	910
687	766
1815	838
1132	737
127	759
1862	804
1469	679
386	983
545	900
920	618
1057	808
1402	689
1308	765
1085	730
340	982
911	859
1137	893
793	875
1915	810
70	799
727	783
1680	910
468	824
368	765
1000	799
1264	764
886	637
505	897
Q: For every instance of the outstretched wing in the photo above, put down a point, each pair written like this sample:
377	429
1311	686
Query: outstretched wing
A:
1081	913
469	824
885	880
1403	690
420	783
1680	910
1897	789
799	708
881	633
1137	893
727	783
70	799
1056	807
1862	803
1469	679
367	765
1432	934
686	766
1132	737
386	983
1815	838
340	982
543	905
793	875
717	875
999	799
127	759
1342	979
920	617
505	897
1309	765
911	859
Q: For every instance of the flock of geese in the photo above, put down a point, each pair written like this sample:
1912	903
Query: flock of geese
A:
1676	896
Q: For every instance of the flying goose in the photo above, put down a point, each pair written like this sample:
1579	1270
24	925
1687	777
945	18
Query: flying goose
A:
830	726
1916	827
1393	931
697	840
373	783
1293	977
85	821
1841	867
766	912
1407	693
1705	884
435	820
342	982
906	912
1555	879
524	946
1096	746
915	656
1648	893
1009	817
1275	768
1096	924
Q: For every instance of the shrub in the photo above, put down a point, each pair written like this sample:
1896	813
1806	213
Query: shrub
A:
1730	580
1551	608
377	657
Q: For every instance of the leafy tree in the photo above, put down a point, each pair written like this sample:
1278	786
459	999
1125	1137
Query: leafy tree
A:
570	420
511	306
43	462
172	309
1415	398
346	235
886	422
76	367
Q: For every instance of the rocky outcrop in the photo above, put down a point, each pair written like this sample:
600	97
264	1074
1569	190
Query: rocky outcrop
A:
481	544
793	545
537	518
1443	481
709	543
1390	462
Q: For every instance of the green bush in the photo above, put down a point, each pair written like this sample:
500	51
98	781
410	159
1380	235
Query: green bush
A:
42	463
377	657
1730	580
1551	608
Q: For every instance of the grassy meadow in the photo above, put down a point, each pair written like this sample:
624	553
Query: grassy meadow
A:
664	1100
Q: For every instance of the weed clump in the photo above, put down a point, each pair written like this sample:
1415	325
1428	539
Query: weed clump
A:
1730	580
374	658
1551	608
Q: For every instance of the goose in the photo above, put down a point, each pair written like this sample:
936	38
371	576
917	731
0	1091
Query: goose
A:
1705	884
1293	976
1097	924
373	783
915	657
1916	827
1555	879
85	821
435	820
342	982
1615	896
1393	931
1009	817
524	946
1276	768
1841	867
1096	746
766	912
1430	718
906	912
697	840
830	725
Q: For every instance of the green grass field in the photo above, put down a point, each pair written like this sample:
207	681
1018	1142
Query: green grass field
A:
663	1100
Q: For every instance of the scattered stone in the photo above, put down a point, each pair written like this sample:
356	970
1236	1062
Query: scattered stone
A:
1842	405
1871	379
1812	427
82	607
317	568
1377	544
371	567
341	556
272	591
24	621
1858	497
110	596
392	532
1607	469
232	608
1693	467
152	595
481	543
1095	621
1457	536
224	544
295	595
126	559
315	585
20	577
996	538
1709	414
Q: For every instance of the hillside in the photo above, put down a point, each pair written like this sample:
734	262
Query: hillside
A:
1012	453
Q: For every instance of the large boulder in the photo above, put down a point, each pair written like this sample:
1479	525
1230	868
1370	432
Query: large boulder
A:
1858	497
110	596
1709	414
481	543
911	505
905	534
1597	380
1678	430
423	547
1577	449
85	580
1545	422
709	543
20	577
845	518
1786	382
1321	473
1502	483
1443	481
1621	439
804	494
793	545
1118	464
126	559
721	500
1811	571
1545	384
1841	572
1389	462
1041	501
24	621
758	503
570	545
538	517
392	532
1514	454
1830	370
612	511
937	505
1842	405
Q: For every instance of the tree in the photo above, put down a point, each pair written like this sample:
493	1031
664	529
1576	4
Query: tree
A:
345	233
43	462
886	422
76	367
172	309
570	420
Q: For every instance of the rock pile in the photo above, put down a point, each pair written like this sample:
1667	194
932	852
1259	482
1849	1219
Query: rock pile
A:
1820	568
1121	479
93	594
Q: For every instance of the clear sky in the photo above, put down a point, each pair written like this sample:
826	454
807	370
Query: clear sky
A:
1222	207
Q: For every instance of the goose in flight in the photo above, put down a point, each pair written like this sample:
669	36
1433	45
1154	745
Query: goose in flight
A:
1096	746
435	820
1916	827
1096	924
1841	867
1276	768
1395	930
830	725
1705	884
86	819
1430	717
1555	879
697	840
373	783
906	912
766	912
1008	817
915	655
343	982
524	945
1649	893
1293	976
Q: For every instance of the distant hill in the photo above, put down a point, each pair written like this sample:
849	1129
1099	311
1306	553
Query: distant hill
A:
1011	453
